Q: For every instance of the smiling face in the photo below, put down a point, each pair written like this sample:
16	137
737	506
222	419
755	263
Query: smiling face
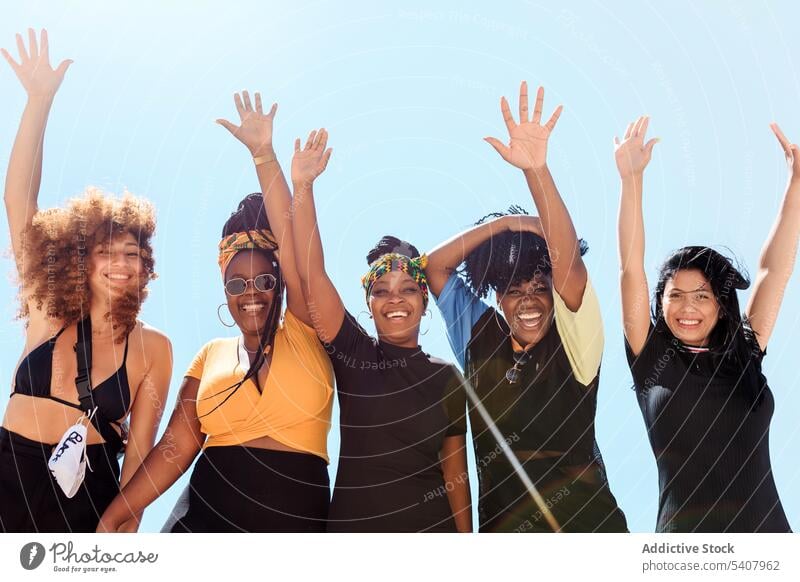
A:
251	309
397	307
689	307
115	267
528	309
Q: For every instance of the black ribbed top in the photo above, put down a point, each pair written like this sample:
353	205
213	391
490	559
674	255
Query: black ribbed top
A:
708	423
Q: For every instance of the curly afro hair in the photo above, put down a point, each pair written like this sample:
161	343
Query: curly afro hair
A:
508	258
53	259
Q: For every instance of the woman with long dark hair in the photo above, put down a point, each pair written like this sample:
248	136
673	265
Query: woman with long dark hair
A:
83	272
533	358
259	404
402	464
696	361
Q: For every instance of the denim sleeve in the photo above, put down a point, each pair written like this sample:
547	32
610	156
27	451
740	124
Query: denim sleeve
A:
461	309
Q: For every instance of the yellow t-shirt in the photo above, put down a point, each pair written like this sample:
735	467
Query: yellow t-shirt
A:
294	407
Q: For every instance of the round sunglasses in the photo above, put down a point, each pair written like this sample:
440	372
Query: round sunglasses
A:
261	283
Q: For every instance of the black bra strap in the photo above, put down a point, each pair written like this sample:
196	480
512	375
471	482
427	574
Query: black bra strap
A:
83	382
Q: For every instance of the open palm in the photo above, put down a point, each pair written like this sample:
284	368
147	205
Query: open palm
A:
33	69
632	154
527	146
310	161
255	131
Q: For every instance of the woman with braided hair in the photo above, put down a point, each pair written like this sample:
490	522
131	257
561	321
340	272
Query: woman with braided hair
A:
83	271
258	405
402	465
533	359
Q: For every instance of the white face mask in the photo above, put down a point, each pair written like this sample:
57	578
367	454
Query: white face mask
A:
68	461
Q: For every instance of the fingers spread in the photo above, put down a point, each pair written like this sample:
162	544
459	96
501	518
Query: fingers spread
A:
643	126
258	103
507	117
310	140
248	106
63	66
44	48
537	108
237	100
523	102
322	139
551	123
228	125
629	131
297	145
34	49
9	59
23	54
273	109
785	144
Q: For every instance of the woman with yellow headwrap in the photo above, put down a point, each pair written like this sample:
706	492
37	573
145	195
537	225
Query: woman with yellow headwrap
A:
259	404
402	463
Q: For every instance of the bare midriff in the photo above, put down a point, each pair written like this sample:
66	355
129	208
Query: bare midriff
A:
270	443
43	420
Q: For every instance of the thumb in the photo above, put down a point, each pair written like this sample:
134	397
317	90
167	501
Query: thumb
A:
648	147
62	68
499	146
228	125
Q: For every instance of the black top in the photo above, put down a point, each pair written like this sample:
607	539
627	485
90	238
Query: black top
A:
547	412
708	422
34	375
396	407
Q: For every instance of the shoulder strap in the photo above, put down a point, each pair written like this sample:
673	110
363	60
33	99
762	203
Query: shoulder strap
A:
83	382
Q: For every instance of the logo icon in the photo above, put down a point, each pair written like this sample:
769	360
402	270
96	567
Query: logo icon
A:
31	555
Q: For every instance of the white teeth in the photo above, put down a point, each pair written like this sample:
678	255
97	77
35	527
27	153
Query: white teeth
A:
528	316
688	321
252	307
118	276
394	314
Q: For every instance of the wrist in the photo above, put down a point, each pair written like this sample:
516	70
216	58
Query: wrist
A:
632	178
537	169
263	150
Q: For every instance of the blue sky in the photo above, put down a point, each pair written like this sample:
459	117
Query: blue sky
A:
407	93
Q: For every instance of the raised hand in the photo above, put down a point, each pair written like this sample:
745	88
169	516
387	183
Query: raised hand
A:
33	69
527	147
632	154
311	161
255	131
790	150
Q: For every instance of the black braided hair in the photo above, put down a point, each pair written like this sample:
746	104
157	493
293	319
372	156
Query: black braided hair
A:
508	258
251	215
391	244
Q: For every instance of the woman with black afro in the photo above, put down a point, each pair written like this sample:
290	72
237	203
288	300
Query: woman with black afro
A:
403	463
696	360
533	359
256	407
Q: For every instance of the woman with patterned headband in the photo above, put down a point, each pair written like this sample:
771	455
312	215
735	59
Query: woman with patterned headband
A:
259	404
402	465
533	358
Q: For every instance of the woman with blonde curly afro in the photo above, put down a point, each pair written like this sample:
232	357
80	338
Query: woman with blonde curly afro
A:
83	272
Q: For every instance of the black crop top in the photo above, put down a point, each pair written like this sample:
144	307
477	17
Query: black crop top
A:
112	396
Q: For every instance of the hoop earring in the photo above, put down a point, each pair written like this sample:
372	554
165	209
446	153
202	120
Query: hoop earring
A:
219	315
359	317
500	325
429	312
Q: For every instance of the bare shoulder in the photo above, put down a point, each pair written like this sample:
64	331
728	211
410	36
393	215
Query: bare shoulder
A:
154	341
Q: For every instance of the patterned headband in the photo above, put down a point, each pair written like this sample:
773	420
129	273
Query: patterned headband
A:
397	262
239	241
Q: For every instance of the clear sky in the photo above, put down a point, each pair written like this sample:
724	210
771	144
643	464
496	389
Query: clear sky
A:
407	91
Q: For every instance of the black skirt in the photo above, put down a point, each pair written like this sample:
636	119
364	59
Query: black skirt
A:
32	501
242	489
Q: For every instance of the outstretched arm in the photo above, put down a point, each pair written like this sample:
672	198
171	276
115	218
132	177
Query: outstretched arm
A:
325	307
445	258
255	132
632	156
24	176
527	150
778	255
164	464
